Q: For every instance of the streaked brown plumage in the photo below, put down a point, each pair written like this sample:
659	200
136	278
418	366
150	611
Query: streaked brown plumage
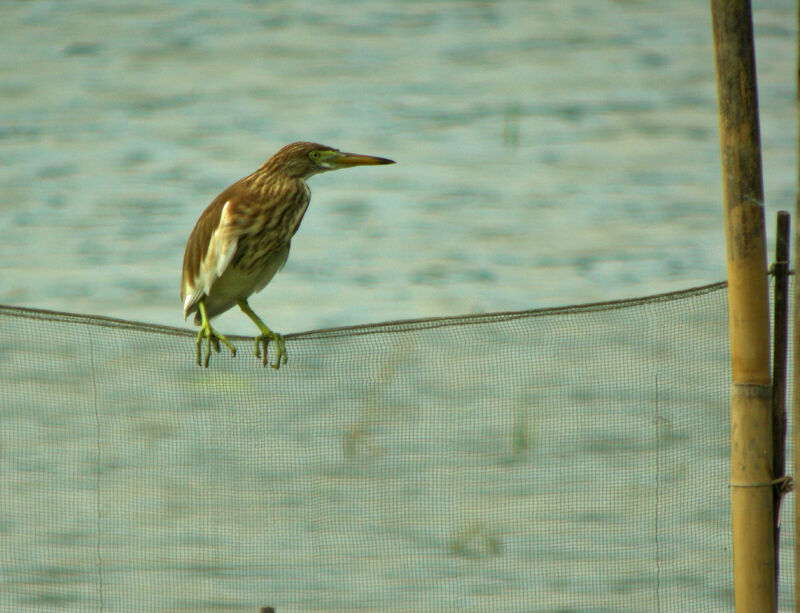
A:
243	238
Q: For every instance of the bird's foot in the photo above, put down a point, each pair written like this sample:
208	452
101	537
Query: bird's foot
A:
265	337
262	341
212	338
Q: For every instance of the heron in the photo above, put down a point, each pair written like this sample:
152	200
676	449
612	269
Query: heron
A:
243	237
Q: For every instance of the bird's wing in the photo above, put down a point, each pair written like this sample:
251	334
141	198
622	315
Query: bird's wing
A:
221	248
209	252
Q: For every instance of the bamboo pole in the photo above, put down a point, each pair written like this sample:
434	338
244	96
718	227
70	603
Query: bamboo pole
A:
748	302
780	310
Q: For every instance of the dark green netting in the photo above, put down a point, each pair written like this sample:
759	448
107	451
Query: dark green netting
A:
562	460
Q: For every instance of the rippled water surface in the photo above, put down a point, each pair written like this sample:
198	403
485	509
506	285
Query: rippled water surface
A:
548	152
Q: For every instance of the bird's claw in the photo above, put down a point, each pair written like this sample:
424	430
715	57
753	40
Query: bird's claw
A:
212	338
280	348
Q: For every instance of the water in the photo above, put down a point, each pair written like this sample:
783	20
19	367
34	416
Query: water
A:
570	462
548	152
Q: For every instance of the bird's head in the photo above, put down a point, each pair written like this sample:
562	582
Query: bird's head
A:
303	160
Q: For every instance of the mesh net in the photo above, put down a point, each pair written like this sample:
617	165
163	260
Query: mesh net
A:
571	460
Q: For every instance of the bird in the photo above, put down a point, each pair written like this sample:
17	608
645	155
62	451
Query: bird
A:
243	237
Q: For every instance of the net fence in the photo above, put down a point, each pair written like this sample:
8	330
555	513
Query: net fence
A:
559	460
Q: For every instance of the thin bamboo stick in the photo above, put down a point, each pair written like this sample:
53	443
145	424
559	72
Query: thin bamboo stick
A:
748	302
780	310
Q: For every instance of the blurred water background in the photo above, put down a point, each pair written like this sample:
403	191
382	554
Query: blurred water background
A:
569	461
548	152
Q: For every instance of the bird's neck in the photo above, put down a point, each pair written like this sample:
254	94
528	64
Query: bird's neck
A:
273	172
269	183
270	174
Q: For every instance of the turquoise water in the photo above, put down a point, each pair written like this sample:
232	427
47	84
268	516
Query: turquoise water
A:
575	461
548	152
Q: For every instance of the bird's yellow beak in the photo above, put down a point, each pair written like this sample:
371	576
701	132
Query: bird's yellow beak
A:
345	160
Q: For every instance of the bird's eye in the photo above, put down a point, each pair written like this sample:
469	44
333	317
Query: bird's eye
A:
314	155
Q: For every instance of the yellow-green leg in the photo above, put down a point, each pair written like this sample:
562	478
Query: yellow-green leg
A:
265	337
212	337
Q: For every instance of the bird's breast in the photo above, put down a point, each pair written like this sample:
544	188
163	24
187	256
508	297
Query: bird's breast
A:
269	228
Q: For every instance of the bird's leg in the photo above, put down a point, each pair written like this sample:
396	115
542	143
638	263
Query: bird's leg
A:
265	337
212	337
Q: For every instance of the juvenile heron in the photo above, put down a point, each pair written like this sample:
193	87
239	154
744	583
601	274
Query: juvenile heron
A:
242	239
